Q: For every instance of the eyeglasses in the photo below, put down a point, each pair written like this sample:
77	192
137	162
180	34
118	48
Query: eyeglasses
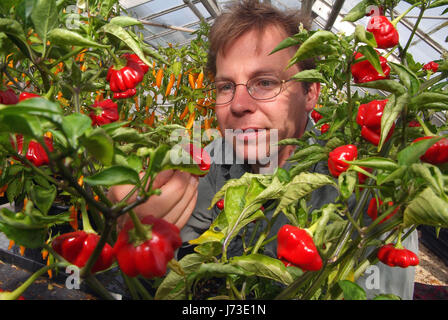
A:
259	88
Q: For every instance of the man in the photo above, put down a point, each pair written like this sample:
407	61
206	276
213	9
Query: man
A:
257	101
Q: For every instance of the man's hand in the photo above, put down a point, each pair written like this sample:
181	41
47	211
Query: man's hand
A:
175	204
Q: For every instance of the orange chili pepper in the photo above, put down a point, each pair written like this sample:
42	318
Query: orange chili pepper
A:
22	251
74	218
11	244
170	85
159	77
191	81
137	107
81	180
184	113
50	272
179	78
44	254
200	80
190	121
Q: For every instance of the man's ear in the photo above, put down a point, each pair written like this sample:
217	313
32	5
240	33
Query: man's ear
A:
312	96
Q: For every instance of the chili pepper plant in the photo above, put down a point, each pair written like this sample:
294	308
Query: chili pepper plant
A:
385	154
105	105
86	104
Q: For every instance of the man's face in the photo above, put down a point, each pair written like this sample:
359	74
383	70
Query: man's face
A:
257	120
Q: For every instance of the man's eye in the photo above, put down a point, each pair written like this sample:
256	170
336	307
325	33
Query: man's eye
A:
266	83
224	87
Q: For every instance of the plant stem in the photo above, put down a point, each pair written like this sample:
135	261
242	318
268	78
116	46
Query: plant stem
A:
98	287
403	53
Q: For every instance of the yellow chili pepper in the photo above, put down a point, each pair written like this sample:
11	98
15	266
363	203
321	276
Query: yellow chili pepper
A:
159	77
170	85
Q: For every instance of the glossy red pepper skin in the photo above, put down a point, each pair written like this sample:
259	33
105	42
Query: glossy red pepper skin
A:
125	94
28	95
325	127
316	116
383	30
220	204
200	156
35	153
296	246
414	123
151	257
369	118
372	209
396	257
363	71
127	77
8	96
433	66
437	153
104	112
77	247
336	163
133	58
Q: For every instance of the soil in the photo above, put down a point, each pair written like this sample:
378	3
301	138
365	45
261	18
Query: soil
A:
431	270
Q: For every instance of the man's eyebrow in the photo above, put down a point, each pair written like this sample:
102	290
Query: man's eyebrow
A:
256	73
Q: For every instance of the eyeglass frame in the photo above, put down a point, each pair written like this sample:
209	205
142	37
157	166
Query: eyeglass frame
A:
282	82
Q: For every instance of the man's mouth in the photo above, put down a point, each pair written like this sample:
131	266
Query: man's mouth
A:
249	133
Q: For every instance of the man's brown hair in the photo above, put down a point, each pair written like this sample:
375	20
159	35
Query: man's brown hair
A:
246	15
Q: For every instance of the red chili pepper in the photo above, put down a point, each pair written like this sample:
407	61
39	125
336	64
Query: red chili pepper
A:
133	58
125	94
220	204
316	116
296	246
28	95
384	31
104	112
336	163
35	153
372	209
414	123
324	128
200	156
397	257
437	153
77	247
8	97
374	10
363	71
369	118
126	77
150	257
433	66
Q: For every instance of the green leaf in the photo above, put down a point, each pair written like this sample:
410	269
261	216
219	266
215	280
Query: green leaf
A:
375	163
125	21
438	3
364	36
74	126
391	111
414	151
386	85
23	124
359	11
314	46
428	209
387	297
309	76
24	237
173	285
112	176
99	145
44	17
407	77
218	269
15	32
300	186
286	43
43	198
351	290
264	266
428	97
372	56
347	182
66	37
40	107
157	157
123	35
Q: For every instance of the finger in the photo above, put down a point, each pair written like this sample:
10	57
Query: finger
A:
180	223
180	208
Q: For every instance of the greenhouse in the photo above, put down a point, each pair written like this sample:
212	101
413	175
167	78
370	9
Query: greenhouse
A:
223	150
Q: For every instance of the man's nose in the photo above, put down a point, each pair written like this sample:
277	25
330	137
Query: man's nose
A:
242	101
